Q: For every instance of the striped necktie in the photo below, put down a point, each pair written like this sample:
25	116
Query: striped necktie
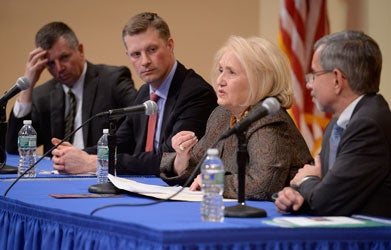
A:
152	119
70	117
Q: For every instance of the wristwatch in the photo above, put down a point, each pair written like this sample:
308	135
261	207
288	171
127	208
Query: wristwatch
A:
307	178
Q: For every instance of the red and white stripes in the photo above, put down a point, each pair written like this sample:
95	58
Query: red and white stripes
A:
302	22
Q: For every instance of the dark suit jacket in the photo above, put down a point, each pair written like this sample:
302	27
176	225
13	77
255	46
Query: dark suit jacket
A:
360	180
189	103
105	87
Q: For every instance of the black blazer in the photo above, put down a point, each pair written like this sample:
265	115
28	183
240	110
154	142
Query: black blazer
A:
360	180
189	103
105	87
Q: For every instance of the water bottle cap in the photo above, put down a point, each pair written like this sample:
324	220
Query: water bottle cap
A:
27	122
213	151
105	131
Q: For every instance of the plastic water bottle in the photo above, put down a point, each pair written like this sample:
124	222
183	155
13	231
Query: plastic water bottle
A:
27	145
102	167
212	172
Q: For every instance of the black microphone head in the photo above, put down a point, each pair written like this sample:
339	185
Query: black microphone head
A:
23	83
150	107
271	104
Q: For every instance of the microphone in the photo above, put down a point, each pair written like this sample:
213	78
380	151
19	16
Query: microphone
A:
21	84
269	106
148	107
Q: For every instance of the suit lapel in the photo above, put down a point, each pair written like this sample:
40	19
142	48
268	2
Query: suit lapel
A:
172	97
91	82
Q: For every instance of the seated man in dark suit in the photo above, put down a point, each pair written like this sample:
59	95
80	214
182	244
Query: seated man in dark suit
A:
95	88
352	175
185	101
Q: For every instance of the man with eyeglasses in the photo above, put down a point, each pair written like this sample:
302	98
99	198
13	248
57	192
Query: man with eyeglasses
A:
352	174
311	76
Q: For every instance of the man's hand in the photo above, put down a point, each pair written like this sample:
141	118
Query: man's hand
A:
307	170
36	63
68	159
288	200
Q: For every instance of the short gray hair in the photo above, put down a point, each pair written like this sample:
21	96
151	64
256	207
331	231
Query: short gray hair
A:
354	53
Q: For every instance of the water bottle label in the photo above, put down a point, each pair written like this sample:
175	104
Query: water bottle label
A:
27	141
213	178
103	152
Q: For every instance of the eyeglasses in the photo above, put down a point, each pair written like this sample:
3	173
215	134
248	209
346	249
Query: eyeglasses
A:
311	76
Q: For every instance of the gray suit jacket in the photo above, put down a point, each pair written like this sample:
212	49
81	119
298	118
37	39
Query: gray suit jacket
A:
360	180
105	87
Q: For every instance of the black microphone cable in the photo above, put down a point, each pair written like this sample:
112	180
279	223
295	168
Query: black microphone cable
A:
66	138
271	101
189	179
151	108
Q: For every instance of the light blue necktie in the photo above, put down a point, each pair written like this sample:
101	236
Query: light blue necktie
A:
334	141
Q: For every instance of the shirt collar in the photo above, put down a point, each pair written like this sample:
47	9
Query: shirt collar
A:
77	88
345	116
162	91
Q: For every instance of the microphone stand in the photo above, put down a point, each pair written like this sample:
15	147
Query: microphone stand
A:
108	187
241	209
4	169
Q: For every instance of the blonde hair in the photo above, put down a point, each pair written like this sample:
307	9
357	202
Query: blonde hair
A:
266	66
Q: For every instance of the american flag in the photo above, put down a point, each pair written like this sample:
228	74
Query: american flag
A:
302	22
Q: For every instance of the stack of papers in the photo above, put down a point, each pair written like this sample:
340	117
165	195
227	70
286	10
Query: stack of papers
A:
325	221
161	192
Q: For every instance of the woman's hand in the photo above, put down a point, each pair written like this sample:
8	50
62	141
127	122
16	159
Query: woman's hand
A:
182	143
196	185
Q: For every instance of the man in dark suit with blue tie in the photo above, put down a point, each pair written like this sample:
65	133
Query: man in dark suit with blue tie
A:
95	88
352	174
185	101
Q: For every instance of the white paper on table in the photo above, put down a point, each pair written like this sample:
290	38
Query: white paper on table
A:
160	192
318	221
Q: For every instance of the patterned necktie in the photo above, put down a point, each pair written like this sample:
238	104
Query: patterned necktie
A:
151	126
70	117
334	141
